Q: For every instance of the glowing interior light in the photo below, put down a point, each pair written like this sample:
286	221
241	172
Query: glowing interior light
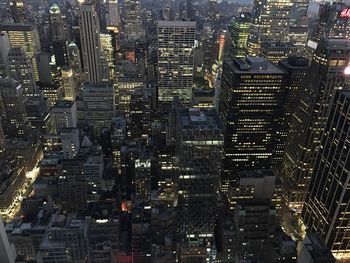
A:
347	70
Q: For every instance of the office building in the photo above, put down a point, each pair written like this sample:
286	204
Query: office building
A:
12	108
107	51
255	226
90	42
297	69
333	21
2	139
252	185
12	174
326	75
64	114
24	36
104	231
7	252
58	36
253	92
4	50
175	60
133	28
70	84
326	204
18	12
72	186
65	240
270	22
21	69
313	249
70	143
199	152
277	51
74	60
96	106
129	79
239	30
57	24
113	21
93	169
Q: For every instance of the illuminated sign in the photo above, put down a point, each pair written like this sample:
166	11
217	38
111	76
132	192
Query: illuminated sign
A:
345	13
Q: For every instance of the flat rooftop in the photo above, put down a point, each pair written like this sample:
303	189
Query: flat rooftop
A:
253	65
64	104
261	173
163	23
195	118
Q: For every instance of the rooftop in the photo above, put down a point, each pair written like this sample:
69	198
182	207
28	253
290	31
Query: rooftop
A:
162	23
255	173
253	65
195	118
64	104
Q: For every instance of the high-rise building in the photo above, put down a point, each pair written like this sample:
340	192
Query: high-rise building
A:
107	51
213	12
21	69
297	69
74	60
129	79
270	22
255	225
4	50
298	24
113	21
24	36
12	108
133	27
239	29
58	36
326	204
72	186
308	121
65	240
7	252
96	106
252	96
64	114
333	22
57	24
175	60
277	51
18	12
2	139
69	84
199	152
313	249
90	42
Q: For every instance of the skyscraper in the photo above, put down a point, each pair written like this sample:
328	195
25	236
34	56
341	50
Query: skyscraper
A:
252	97
58	35
239	29
133	27
113	21
21	69
326	207
4	50
24	36
12	108
18	12
7	252
307	123
270	22
175	60
199	150
90	42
